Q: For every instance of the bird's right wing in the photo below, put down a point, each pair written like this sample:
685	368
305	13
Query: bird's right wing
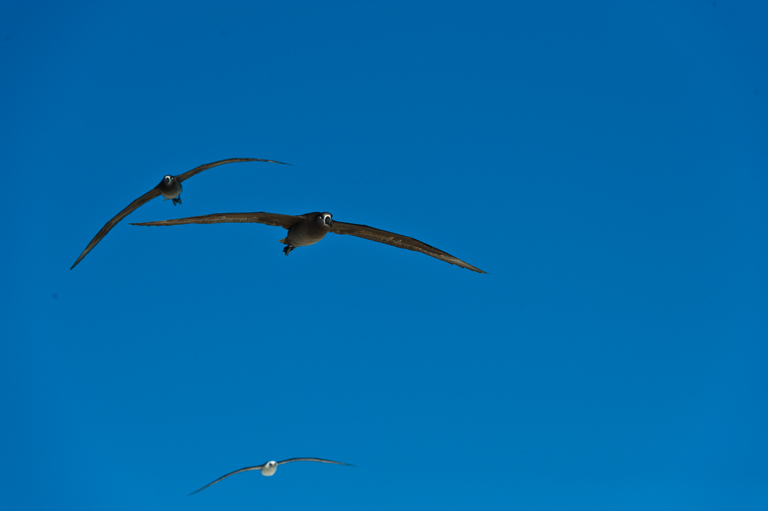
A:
400	241
154	192
259	467
284	221
197	170
318	460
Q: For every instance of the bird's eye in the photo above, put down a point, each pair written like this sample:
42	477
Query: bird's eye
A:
168	180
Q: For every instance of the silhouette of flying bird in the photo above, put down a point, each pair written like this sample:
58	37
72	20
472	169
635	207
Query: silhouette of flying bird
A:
310	228
169	187
269	468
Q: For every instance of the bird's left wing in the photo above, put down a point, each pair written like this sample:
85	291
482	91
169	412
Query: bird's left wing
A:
197	170
398	240
113	222
258	467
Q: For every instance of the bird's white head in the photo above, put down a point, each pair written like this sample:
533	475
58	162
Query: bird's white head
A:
326	219
168	179
269	468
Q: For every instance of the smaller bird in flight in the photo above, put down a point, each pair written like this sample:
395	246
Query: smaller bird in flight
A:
269	468
169	187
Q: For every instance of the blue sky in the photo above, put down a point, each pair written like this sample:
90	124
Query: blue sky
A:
606	164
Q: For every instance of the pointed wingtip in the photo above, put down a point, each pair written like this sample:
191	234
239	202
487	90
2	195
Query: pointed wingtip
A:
268	161
474	268
467	266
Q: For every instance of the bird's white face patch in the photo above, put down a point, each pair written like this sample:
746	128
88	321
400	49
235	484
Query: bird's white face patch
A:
168	179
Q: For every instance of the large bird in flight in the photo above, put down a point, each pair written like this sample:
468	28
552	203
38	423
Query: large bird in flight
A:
310	228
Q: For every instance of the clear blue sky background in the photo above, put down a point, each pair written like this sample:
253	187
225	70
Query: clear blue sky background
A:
605	162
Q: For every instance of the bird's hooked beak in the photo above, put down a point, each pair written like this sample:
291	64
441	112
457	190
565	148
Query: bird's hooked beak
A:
328	221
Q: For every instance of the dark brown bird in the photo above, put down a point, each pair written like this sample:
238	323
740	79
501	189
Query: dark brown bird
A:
269	468
310	228
169	187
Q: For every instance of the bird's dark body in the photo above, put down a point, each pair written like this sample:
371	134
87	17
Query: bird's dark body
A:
170	188
311	228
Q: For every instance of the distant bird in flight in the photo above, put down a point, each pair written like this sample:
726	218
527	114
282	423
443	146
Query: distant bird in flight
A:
169	187
310	228
269	468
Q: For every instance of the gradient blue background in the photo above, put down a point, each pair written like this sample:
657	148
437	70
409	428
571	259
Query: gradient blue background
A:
606	164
